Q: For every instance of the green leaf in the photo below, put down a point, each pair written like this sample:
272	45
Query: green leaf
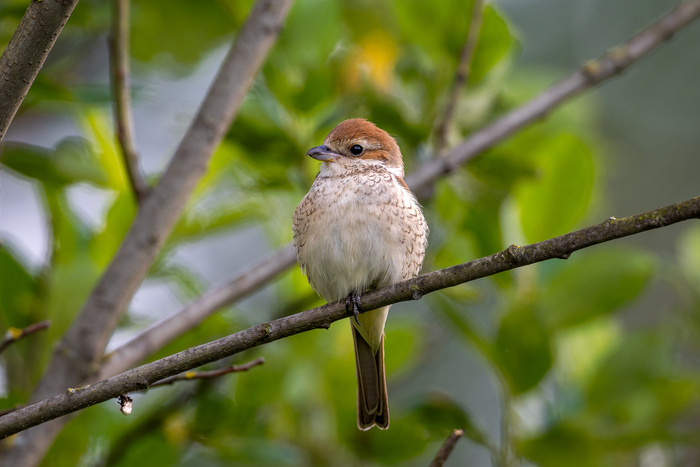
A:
118	219
459	323
494	43
73	271
152	447
404	440
562	445
33	162
71	161
639	386
594	283
404	346
75	159
439	414
18	289
182	31
689	255
523	349
556	199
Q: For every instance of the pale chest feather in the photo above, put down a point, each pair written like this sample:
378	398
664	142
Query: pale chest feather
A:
358	231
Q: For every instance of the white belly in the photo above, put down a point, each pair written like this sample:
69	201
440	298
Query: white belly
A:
358	233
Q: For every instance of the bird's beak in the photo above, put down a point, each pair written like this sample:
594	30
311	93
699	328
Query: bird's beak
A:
322	153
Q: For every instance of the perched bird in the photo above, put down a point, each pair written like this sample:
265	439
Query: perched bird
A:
360	228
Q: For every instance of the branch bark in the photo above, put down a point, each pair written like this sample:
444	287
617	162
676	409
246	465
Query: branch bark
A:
462	75
14	334
25	54
446	448
322	317
192	375
121	90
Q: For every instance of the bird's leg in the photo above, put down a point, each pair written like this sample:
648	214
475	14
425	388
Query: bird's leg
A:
354	300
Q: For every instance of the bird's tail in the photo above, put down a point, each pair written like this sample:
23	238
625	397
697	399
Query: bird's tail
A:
372	398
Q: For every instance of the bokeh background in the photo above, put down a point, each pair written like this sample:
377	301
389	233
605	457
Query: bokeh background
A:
589	361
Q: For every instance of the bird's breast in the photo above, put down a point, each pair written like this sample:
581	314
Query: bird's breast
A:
357	232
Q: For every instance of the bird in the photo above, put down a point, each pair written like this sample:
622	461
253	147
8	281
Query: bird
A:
359	228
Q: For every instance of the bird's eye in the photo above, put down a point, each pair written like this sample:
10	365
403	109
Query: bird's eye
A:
356	149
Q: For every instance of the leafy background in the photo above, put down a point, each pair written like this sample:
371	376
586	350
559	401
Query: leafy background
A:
590	361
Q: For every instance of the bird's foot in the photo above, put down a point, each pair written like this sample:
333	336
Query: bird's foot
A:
354	302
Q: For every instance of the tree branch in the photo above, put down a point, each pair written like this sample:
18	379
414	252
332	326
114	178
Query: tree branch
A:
165	331
192	375
14	334
446	448
121	89
321	317
25	54
614	62
463	72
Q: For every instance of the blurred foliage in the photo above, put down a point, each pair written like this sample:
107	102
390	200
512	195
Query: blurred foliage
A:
576	385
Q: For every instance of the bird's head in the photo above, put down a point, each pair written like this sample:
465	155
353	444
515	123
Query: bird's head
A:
358	143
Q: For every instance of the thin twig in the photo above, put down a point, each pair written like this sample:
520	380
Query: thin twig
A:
462	75
192	375
321	317
14	334
121	88
168	329
446	448
25	54
614	62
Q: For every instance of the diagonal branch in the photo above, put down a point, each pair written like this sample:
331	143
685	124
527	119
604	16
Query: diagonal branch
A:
25	54
614	62
322	317
192	375
462	75
121	89
14	334
165	331
446	448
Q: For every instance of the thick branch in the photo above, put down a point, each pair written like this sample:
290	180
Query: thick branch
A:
121	89
25	54
513	257
611	64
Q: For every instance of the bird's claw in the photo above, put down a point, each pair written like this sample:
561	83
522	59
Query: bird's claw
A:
353	300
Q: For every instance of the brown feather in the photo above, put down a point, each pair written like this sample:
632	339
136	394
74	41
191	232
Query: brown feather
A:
372	397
